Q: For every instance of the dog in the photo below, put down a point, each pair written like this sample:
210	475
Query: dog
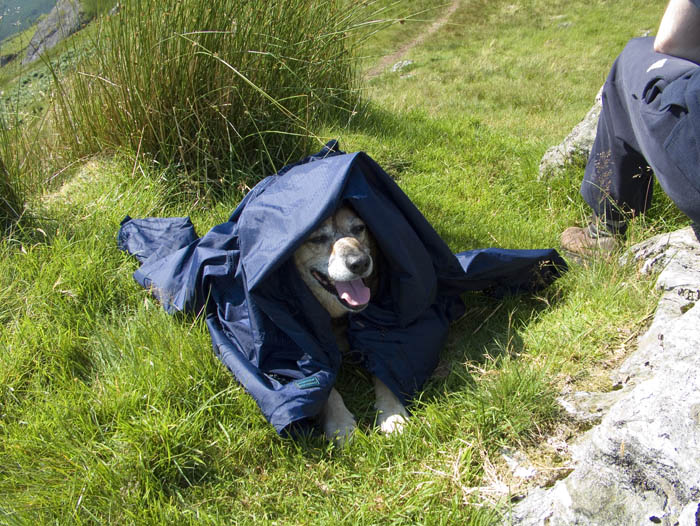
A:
339	263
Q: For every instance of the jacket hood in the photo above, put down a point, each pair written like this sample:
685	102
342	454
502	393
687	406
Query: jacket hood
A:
285	209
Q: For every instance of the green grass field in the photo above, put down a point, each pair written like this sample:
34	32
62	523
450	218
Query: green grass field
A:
112	412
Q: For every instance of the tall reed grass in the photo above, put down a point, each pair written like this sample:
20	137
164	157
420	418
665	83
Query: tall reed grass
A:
12	189
30	159
213	88
10	199
92	8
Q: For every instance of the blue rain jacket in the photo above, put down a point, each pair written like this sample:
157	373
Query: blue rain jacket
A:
265	324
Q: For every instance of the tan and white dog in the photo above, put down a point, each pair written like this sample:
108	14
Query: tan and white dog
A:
338	262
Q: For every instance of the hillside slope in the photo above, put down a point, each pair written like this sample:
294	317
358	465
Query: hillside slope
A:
18	15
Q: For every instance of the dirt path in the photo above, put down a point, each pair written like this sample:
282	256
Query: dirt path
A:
394	57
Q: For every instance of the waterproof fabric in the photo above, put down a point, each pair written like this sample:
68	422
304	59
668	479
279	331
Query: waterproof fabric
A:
265	324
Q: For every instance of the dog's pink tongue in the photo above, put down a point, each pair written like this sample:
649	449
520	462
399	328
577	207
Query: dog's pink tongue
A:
354	292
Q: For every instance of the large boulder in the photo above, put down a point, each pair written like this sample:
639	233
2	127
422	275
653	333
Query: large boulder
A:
576	147
641	463
60	23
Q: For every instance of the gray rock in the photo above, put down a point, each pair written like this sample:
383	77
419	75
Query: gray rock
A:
576	146
675	255
60	23
641	463
401	65
588	407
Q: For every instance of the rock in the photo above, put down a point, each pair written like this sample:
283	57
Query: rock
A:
576	146
640	464
676	256
518	464
588	407
401	65
60	23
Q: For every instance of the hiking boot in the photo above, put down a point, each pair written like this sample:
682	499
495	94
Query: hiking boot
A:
587	241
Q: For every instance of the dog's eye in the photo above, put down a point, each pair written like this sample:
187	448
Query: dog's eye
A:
320	239
356	230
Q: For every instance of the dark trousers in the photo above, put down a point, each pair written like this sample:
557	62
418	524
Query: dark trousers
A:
637	135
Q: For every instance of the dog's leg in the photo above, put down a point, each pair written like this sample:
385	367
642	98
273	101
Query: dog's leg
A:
338	422
392	414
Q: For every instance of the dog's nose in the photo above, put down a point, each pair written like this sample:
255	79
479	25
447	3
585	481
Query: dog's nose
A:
358	264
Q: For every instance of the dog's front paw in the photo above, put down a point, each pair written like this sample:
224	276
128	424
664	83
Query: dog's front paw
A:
392	422
338	422
340	431
392	416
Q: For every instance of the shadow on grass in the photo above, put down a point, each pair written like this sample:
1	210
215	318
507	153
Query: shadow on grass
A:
490	329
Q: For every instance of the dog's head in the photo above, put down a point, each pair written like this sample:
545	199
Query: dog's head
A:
336	262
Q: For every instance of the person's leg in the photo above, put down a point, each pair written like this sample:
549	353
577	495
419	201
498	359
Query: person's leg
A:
633	125
617	182
638	115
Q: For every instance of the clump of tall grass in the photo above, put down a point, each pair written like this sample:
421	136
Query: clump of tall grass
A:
12	189
10	198
213	87
92	8
29	155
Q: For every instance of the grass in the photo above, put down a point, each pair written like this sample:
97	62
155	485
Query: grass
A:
93	8
112	412
11	195
216	88
29	153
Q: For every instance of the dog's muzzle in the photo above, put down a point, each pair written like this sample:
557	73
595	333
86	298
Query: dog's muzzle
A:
354	294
